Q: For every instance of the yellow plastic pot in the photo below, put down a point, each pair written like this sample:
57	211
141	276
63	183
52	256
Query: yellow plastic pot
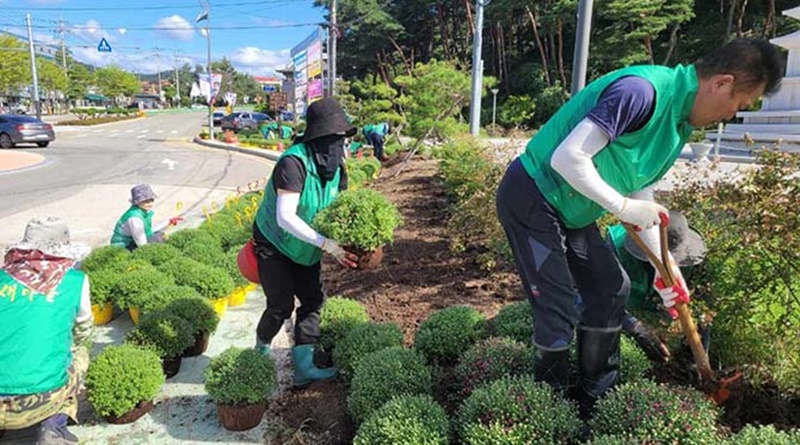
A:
237	297
250	287
220	306
103	313
135	314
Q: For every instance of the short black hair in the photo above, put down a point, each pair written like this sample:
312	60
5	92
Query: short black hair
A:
751	61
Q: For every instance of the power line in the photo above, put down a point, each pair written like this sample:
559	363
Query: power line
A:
178	28
145	8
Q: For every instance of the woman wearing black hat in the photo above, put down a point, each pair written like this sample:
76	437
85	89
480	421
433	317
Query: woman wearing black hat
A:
305	180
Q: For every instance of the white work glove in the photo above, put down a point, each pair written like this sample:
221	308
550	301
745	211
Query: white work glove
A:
678	293
343	257
641	214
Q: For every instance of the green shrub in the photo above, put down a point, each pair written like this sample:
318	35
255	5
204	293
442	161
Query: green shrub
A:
406	420
156	253
229	232
182	238
383	374
515	321
447	333
338	317
227	262
491	359
362	340
196	311
121	377
166	334
516	410
370	166
210	282
101	285
614	440
634	364
133	286
103	257
361	218
356	178
240	376
749	221
204	253
657	414
159	298
764	435
131	265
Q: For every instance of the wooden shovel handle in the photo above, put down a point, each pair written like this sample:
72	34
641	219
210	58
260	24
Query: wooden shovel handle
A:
684	313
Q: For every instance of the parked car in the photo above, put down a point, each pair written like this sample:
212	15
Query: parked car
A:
218	116
242	120
6	108
18	129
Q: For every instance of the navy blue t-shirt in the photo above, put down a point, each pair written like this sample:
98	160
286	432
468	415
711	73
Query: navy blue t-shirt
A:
625	106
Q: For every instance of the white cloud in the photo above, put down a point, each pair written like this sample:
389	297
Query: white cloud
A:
253	60
175	27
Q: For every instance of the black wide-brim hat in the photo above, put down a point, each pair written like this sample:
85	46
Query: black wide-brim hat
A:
685	244
324	118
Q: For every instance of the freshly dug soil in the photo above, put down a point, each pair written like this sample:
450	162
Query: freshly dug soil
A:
420	274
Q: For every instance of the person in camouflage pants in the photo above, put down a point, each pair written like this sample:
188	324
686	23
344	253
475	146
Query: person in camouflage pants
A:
46	319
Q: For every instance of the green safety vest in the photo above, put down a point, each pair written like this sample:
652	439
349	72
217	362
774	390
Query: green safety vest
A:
123	240
381	129
36	334
641	273
630	163
270	130
313	199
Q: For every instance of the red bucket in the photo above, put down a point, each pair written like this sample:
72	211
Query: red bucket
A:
246	260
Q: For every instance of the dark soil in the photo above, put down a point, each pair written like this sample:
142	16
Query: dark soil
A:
420	274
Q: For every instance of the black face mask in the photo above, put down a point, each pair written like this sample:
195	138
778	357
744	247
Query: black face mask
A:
328	154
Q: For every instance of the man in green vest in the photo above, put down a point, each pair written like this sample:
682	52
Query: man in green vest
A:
305	180
601	153
45	332
135	227
374	134
687	249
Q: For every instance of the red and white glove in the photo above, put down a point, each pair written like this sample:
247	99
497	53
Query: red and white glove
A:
343	257
175	221
678	293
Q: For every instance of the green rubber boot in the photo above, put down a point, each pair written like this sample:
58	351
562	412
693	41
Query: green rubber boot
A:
305	372
262	348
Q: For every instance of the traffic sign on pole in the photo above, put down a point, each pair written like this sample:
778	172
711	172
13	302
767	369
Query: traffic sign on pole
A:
269	88
104	47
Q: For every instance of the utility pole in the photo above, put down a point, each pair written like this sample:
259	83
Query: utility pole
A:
158	65
332	31
177	79
63	44
33	70
581	57
477	70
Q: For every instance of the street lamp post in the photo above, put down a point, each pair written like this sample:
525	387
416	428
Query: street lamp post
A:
494	106
204	16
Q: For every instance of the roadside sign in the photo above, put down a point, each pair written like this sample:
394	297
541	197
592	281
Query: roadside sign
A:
277	101
104	47
269	88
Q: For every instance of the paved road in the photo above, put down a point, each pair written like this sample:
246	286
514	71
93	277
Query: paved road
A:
88	173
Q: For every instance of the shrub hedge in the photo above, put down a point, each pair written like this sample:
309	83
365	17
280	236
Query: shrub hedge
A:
492	359
379	376
240	376
338	317
363	340
406	420
515	321
448	332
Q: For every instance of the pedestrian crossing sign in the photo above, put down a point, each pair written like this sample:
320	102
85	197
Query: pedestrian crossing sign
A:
104	47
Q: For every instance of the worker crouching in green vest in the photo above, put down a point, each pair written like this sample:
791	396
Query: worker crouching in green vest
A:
602	152
306	180
687	249
45	332
135	227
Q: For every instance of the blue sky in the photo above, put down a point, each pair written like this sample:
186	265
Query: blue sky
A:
144	34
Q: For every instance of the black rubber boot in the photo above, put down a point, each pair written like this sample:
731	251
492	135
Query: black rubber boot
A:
598	364
552	367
